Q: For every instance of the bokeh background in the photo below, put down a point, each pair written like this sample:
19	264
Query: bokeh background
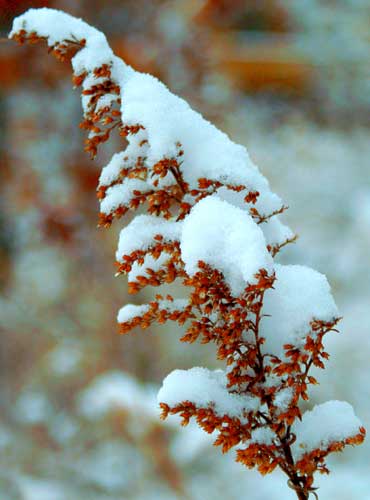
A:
78	413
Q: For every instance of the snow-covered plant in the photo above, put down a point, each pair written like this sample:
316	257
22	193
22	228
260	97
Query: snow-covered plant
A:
212	223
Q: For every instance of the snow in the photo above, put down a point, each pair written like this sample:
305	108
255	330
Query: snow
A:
283	398
110	465
43	271
105	101
124	159
149	263
226	238
65	358
205	389
218	231
131	311
274	230
121	194
167	118
263	435
326	423
33	408
266	202
55	25
189	443
34	488
300	295
174	305
116	391
111	172
139	234
58	26
276	233
64	428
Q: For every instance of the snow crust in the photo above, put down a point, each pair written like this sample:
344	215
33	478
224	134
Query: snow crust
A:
226	238
121	194
58	26
300	295
205	389
283	398
149	263
167	119
131	311
324	424
112	170
139	234
173	305
266	203
126	158
263	435
276	232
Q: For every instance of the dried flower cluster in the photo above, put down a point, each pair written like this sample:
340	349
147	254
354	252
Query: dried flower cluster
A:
212	223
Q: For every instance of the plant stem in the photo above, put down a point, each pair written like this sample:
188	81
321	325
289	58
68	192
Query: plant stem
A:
295	482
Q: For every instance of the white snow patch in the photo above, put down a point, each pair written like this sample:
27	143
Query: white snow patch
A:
283	398
204	388
300	295
121	194
226	238
111	171
149	263
326	423
263	435
131	311
139	234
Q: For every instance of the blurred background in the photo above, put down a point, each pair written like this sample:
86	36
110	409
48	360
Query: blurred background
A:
78	414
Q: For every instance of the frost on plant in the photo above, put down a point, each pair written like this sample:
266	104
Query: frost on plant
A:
213	224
